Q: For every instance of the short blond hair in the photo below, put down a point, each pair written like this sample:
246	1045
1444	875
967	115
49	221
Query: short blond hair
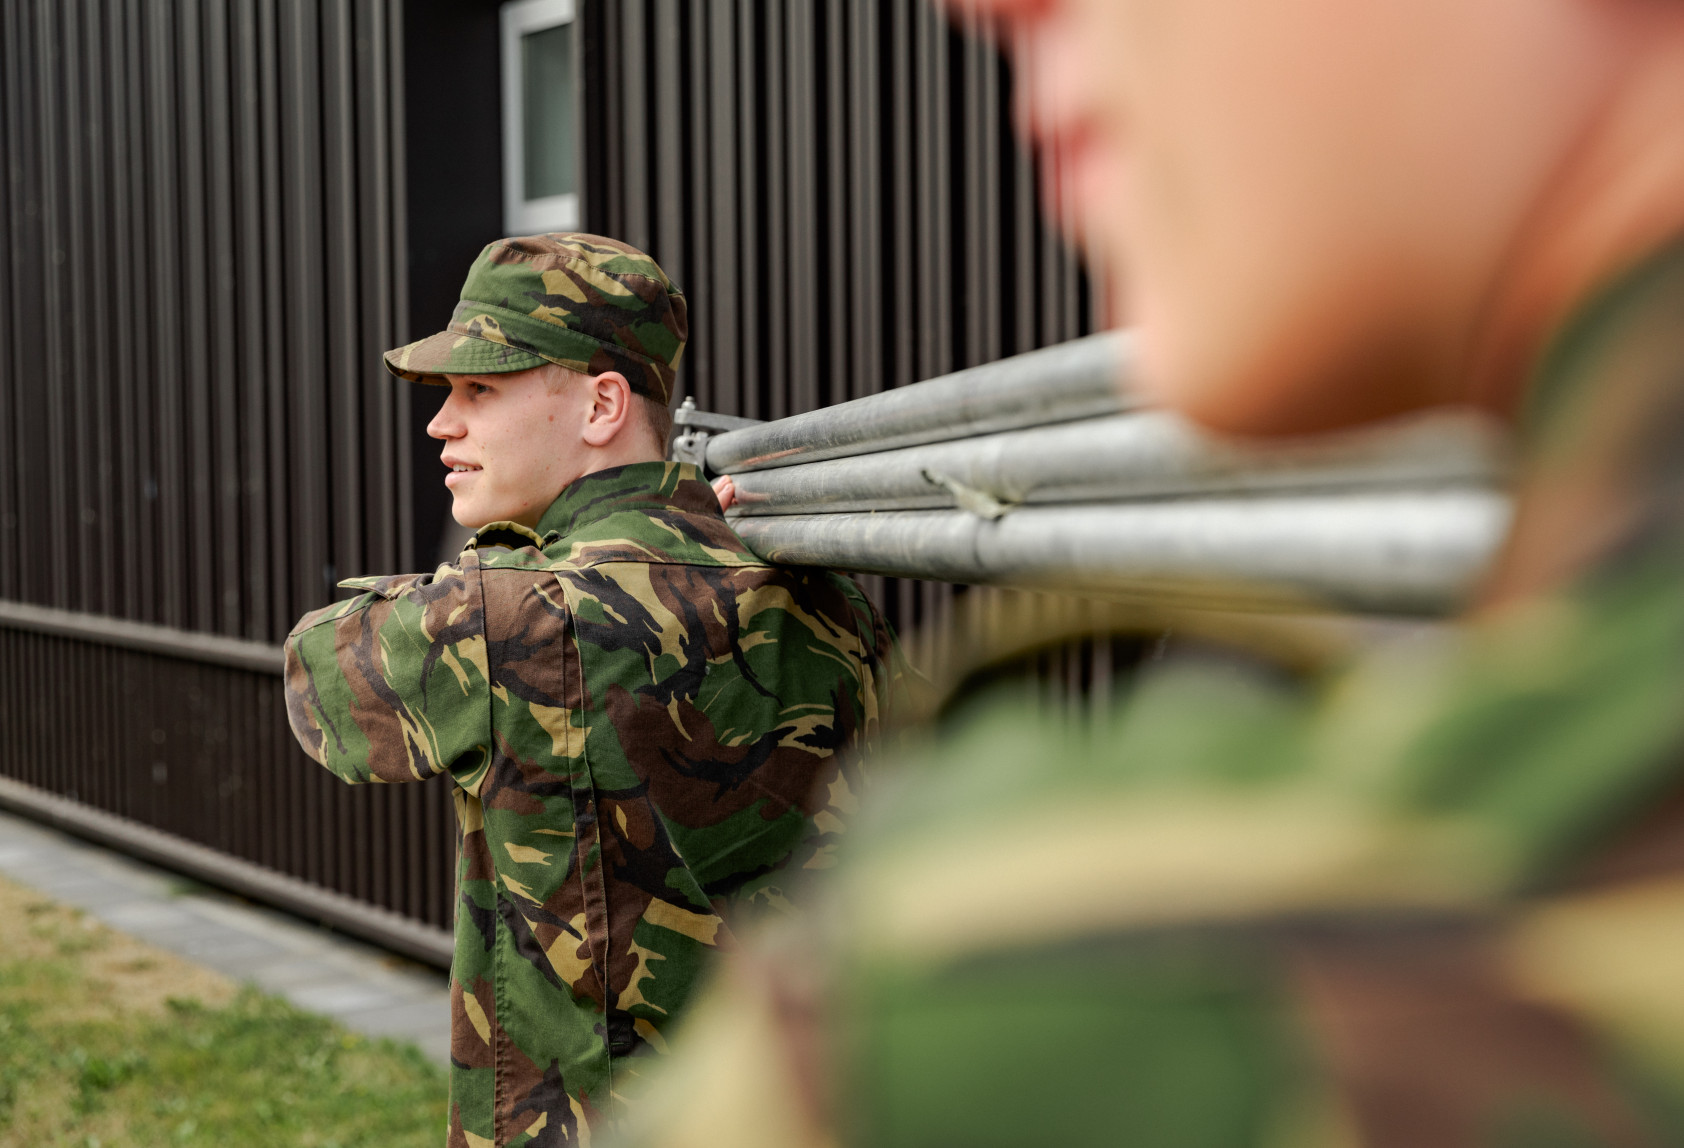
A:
655	415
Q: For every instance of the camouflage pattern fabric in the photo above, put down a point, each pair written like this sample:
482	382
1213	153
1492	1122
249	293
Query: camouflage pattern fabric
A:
645	727
1436	901
580	301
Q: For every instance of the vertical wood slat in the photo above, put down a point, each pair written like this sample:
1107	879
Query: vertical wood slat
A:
800	146
49	440
285	590
667	76
164	485
724	301
11	207
751	270
193	312
143	478
337	173
73	446
611	149
392	260
370	279
245	273
904	326
870	281
1025	230
308	449
222	328
936	325
773	270
671	228
983	190
699	353
632	53
837	220
106	356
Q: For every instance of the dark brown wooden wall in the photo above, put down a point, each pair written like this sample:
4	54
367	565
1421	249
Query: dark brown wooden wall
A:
214	214
835	185
202	233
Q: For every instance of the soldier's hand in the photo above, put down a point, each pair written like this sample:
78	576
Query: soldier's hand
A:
725	490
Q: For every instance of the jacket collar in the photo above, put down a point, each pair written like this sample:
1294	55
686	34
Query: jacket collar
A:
1602	437
1639	307
640	486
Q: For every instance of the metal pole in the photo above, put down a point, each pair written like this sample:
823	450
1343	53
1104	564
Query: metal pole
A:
1073	380
1397	553
1148	454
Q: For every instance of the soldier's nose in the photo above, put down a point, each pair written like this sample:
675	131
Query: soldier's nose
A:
445	425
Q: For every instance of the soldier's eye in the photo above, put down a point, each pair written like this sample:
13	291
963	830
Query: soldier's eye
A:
479	389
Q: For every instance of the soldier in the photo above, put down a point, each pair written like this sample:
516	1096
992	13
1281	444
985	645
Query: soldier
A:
643	725
1436	900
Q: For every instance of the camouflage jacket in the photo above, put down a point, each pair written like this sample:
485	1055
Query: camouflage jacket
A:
1433	901
643	723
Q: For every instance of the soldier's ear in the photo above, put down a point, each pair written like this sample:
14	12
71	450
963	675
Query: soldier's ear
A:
609	398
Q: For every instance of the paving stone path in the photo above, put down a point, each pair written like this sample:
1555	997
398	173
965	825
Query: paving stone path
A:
366	989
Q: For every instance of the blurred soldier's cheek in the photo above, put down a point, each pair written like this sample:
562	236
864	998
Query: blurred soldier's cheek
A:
1304	200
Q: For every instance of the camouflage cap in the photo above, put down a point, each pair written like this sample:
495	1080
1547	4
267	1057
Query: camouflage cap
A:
580	301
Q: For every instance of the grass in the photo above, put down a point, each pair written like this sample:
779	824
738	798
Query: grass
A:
109	1043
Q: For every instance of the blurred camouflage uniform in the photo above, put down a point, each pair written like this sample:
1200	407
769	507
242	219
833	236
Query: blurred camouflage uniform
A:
642	722
1435	901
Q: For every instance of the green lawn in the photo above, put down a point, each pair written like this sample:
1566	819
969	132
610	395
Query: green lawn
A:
105	1042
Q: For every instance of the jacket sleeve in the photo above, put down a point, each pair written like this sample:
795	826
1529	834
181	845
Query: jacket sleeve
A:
393	685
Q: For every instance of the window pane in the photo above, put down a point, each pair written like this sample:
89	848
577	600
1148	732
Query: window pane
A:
547	68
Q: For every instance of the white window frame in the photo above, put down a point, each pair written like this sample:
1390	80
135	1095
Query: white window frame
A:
522	216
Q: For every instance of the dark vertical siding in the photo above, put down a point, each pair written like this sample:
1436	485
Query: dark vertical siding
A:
202	752
216	214
837	188
203	236
200	234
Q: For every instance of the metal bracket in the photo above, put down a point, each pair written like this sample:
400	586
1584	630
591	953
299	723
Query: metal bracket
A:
692	429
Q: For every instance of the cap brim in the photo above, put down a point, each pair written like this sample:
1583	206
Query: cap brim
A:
449	353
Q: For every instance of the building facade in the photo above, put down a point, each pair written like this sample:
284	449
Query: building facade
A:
216	213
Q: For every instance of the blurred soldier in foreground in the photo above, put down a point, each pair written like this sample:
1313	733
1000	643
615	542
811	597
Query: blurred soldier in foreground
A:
1439	902
641	720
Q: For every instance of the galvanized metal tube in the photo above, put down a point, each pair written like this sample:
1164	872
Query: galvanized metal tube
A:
1148	454
1397	553
1073	380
